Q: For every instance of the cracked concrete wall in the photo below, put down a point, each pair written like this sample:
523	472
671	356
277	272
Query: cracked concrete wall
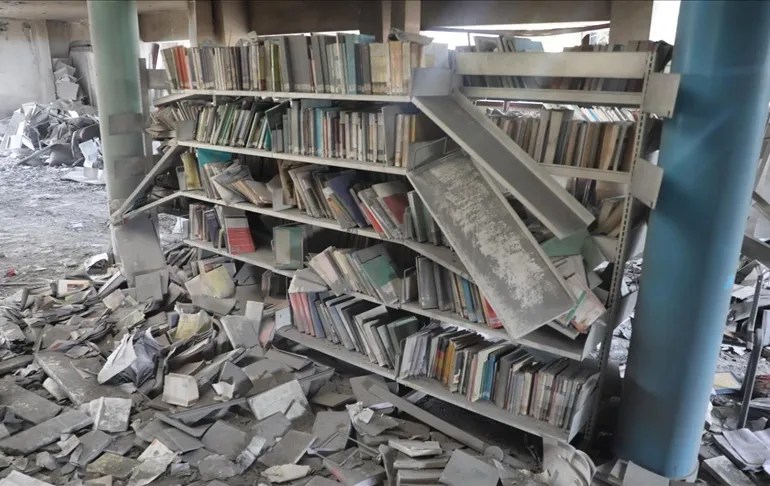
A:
25	64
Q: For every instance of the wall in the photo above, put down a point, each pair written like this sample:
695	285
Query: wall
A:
62	33
25	64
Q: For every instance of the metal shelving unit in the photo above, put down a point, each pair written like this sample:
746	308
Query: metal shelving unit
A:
625	65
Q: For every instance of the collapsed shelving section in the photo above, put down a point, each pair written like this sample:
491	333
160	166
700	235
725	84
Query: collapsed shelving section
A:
482	181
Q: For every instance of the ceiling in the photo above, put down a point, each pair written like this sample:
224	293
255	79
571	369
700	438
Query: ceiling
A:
72	9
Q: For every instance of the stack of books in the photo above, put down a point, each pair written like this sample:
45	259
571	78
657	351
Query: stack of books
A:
499	372
166	118
442	289
341	63
594	138
242	123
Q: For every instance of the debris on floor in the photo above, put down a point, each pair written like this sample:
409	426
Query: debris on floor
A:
175	380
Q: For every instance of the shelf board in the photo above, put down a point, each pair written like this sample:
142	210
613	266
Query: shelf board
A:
336	351
297	95
429	386
262	258
442	255
566	96
583	173
158	202
348	164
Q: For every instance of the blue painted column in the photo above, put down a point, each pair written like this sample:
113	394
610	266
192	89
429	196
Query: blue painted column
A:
709	154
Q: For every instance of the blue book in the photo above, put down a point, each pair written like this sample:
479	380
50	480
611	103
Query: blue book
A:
469	309
341	184
350	59
312	298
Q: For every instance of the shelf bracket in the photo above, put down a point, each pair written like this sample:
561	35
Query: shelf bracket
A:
645	182
660	95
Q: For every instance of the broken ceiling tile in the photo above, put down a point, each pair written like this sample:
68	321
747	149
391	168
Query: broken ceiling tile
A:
54	389
416	448
236	377
217	467
241	331
225	439
193	431
332	399
293	361
332	430
111	414
286	472
48	432
152	463
114	465
287	398
26	404
46	460
180	390
250	454
178	441
464	469
289	449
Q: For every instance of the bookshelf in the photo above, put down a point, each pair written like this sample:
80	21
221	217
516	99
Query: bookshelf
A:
616	65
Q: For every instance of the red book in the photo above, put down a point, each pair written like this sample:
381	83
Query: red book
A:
238	235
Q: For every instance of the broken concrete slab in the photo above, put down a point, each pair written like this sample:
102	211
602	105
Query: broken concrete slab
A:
436	462
217	467
111	414
15	478
289	449
26	404
193	431
287	398
332	430
272	428
80	388
235	376
178	441
332	399
180	390
422	476
416	448
241	331
285	473
92	444
114	465
225	439
321	481
464	469
48	432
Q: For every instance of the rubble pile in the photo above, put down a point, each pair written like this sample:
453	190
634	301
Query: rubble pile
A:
175	380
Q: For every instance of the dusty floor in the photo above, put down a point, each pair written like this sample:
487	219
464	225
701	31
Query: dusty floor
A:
48	225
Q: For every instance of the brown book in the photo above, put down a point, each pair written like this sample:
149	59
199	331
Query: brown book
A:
568	157
610	132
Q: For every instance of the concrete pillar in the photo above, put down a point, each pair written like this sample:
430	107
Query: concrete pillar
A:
630	20
709	155
115	39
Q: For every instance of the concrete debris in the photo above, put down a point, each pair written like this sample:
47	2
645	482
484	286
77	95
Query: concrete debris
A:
167	379
464	469
286	473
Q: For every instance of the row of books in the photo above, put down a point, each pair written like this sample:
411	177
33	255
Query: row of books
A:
439	288
380	134
221	226
165	119
499	372
390	208
242	123
463	361
340	63
354	323
595	138
519	44
376	133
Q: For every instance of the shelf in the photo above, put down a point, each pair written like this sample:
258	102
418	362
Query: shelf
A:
583	173
262	258
429	386
543	339
335	350
565	96
348	164
285	94
441	255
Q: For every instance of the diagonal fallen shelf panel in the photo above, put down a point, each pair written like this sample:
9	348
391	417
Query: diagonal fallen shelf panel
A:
496	247
509	164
